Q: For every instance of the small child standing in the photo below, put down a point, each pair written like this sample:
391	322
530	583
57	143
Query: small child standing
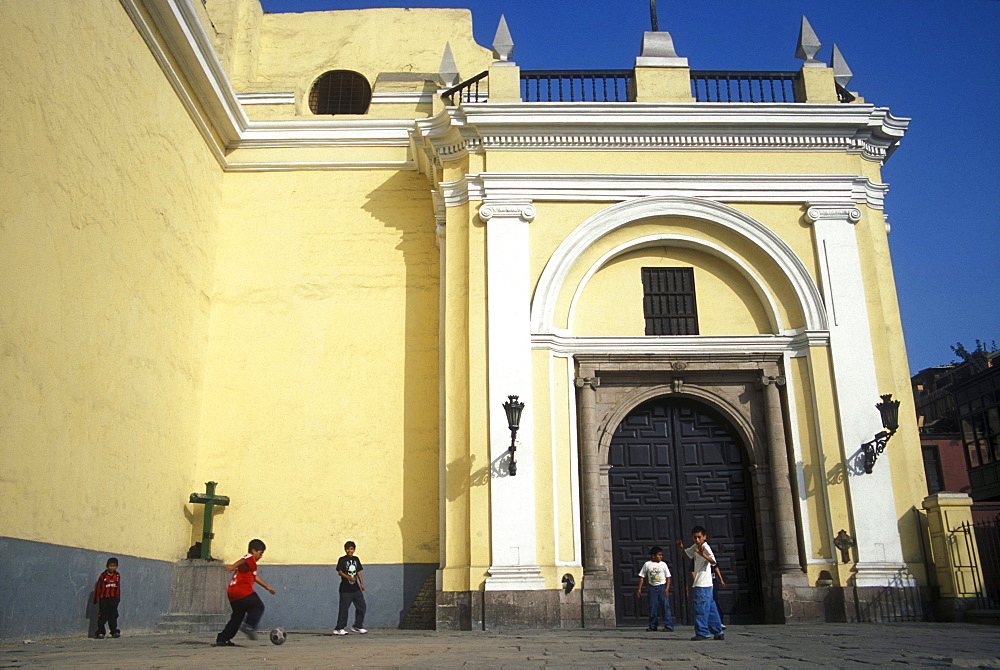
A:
656	573
707	623
352	590
107	595
243	600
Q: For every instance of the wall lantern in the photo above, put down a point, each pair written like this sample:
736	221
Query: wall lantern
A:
889	409
513	409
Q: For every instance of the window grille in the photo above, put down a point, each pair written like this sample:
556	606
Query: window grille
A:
340	92
668	301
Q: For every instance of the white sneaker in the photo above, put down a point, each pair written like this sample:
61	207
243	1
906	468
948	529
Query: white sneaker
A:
340	631
358	630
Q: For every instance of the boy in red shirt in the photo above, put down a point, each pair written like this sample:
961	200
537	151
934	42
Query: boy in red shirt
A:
242	598
107	595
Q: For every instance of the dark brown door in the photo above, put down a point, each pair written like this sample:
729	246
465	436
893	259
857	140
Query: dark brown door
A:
675	464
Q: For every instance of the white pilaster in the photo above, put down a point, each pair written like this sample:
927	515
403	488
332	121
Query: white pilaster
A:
514	565
873	511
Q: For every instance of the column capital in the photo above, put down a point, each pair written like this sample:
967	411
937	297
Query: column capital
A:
522	209
832	211
767	380
592	382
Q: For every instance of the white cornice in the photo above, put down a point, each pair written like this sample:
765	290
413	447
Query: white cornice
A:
175	35
680	344
586	187
403	98
864	129
276	98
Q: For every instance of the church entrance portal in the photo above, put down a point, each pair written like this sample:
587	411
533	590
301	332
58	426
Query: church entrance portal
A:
676	463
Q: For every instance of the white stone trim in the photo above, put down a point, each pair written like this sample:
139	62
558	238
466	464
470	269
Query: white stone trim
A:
623	126
560	344
509	372
403	98
878	548
302	166
686	242
275	98
600	187
588	233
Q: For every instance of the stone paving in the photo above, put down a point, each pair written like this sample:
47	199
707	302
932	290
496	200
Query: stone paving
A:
918	645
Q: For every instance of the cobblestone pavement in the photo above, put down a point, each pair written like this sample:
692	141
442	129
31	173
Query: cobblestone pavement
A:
918	645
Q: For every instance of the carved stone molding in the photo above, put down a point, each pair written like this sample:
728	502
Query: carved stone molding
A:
522	210
833	212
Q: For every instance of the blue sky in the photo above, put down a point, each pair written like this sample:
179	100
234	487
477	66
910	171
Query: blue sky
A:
935	62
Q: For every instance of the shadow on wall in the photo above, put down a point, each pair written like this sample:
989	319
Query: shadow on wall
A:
402	203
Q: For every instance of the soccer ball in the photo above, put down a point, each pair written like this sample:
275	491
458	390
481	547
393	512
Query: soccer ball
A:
278	636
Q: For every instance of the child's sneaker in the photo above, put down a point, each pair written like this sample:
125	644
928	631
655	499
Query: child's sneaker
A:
116	635
359	630
340	631
99	636
249	632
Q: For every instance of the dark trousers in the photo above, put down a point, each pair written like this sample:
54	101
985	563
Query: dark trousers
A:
659	607
346	598
107	612
251	607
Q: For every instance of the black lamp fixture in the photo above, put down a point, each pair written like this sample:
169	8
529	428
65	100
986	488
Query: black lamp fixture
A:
513	409
889	409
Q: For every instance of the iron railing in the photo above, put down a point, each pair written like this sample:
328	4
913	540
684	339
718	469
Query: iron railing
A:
614	86
575	85
980	541
730	86
468	90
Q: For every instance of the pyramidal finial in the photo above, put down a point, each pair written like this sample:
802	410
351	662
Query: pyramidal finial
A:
448	69
809	44
841	72
503	43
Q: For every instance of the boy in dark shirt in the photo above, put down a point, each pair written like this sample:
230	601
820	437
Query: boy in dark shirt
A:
107	595
352	590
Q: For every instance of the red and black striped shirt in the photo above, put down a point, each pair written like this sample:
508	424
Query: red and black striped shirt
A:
109	585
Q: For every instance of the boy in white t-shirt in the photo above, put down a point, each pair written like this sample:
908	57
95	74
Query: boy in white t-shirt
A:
656	573
707	622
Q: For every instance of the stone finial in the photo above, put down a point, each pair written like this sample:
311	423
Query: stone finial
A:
503	43
658	51
448	70
841	72
809	45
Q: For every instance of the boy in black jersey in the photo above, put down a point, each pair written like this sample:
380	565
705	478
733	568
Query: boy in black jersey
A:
352	590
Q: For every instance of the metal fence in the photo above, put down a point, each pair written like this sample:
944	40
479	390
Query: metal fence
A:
615	85
731	86
983	566
575	85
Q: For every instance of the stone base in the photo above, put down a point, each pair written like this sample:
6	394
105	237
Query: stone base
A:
504	610
884	603
198	600
598	601
459	610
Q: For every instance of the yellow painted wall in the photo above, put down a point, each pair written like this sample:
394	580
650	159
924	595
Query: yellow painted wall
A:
289	51
107	244
321	392
611	303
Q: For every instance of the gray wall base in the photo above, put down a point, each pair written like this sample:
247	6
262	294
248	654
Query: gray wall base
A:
46	589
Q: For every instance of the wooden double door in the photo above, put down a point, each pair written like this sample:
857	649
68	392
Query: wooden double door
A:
675	464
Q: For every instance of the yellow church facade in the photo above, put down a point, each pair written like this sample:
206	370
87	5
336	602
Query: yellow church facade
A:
213	277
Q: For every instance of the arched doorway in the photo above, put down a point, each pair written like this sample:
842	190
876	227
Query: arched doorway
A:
676	463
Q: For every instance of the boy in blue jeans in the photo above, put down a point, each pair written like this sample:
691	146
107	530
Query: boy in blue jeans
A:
656	573
707	622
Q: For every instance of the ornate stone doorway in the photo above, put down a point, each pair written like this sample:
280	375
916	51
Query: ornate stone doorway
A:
675	463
